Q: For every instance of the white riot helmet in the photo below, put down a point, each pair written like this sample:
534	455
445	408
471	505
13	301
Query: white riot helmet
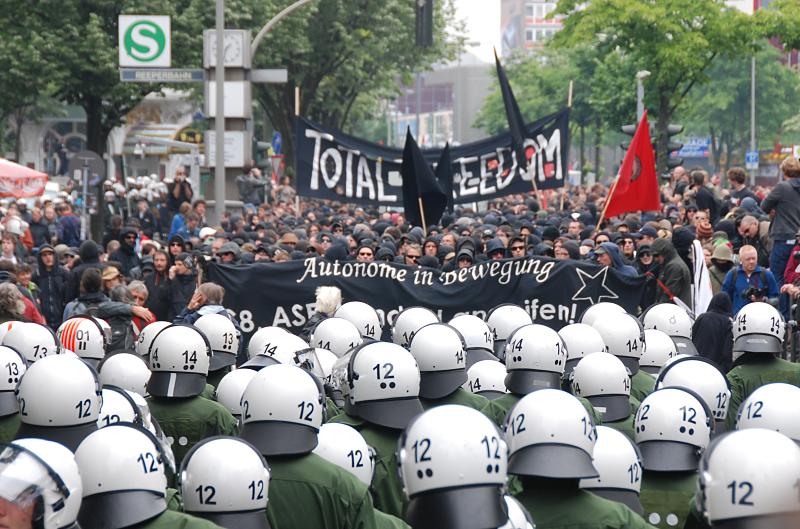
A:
223	338
618	461
274	348
600	310
59	400
384	384
226	480
364	317
337	335
32	340
122	469
487	378
624	338
45	473
550	434
453	463
603	380
85	336
503	320
5	327
12	367
701	376
408	322
262	341
142	345
658	349
672	428
774	407
580	340
439	351
179	359
535	357
118	406
478	338
343	446
674	321
282	410
758	328
518	516
126	371
231	388
748	479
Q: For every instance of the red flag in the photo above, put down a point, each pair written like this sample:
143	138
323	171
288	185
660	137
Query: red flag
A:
637	185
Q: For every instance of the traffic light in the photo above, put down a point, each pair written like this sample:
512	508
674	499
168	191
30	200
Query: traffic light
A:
672	146
630	130
424	12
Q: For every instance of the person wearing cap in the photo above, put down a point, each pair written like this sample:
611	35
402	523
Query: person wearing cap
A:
111	278
647	235
607	254
51	278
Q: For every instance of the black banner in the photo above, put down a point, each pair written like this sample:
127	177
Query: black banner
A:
336	166
555	293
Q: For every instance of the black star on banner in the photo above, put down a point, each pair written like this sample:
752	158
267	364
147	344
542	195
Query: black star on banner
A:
593	287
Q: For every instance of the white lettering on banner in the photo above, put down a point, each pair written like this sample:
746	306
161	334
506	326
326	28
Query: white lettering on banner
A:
465	177
379	180
318	137
331	181
364	179
486	173
349	170
547	158
502	183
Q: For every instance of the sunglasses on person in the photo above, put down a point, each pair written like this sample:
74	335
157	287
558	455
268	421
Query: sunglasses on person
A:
365	254
412	257
130	236
325	239
517	248
176	244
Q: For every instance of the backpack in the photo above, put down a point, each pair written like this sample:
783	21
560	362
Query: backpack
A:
122	336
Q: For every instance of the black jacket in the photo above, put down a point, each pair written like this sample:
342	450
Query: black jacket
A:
126	254
52	285
181	290
40	232
147	222
712	332
89	254
158	295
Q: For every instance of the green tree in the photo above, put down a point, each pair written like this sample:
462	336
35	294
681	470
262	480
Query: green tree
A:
721	107
676	40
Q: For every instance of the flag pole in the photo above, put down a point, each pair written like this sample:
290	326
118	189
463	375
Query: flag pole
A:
608	201
422	216
569	105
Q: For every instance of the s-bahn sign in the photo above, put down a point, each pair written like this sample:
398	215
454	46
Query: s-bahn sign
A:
145	41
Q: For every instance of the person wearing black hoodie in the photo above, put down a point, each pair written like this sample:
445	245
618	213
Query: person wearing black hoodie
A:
182	283
51	279
89	253
126	254
712	332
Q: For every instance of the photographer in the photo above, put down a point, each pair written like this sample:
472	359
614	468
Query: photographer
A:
748	282
179	191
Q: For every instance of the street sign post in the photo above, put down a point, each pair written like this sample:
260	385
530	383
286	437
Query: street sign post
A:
161	75
751	160
145	41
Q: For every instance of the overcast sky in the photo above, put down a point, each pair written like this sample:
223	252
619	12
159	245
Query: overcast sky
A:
483	25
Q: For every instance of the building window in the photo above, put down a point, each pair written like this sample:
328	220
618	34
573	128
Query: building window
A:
528	35
529	10
539	12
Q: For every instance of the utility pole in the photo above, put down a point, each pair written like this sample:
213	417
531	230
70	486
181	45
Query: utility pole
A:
753	115
219	120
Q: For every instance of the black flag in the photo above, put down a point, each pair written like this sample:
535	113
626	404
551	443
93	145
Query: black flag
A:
419	182
444	175
515	122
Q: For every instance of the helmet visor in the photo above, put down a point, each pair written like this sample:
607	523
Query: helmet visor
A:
166	384
24	478
475	354
611	407
221	359
259	362
463	507
552	461
524	381
685	346
69	436
669	456
391	413
308	360
757	343
438	384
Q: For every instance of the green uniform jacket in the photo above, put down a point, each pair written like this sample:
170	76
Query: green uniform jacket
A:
497	409
331	409
8	427
307	492
174	500
176	520
565	507
190	420
461	397
209	392
387	521
642	385
213	379
387	491
667	496
625	426
752	371
695	520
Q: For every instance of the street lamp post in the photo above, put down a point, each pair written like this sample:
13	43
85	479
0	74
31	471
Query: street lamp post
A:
219	117
641	75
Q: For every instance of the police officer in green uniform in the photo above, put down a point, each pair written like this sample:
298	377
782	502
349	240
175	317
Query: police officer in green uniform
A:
478	338
704	378
453	466
624	338
619	468
603	380
40	485
440	352
282	411
672	428
580	339
224	340
749	479
179	360
487	378
503	320
15	365
381	396
758	333
59	400
535	358
124	482
226	480
551	438
660	348
231	388
675	322
343	446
